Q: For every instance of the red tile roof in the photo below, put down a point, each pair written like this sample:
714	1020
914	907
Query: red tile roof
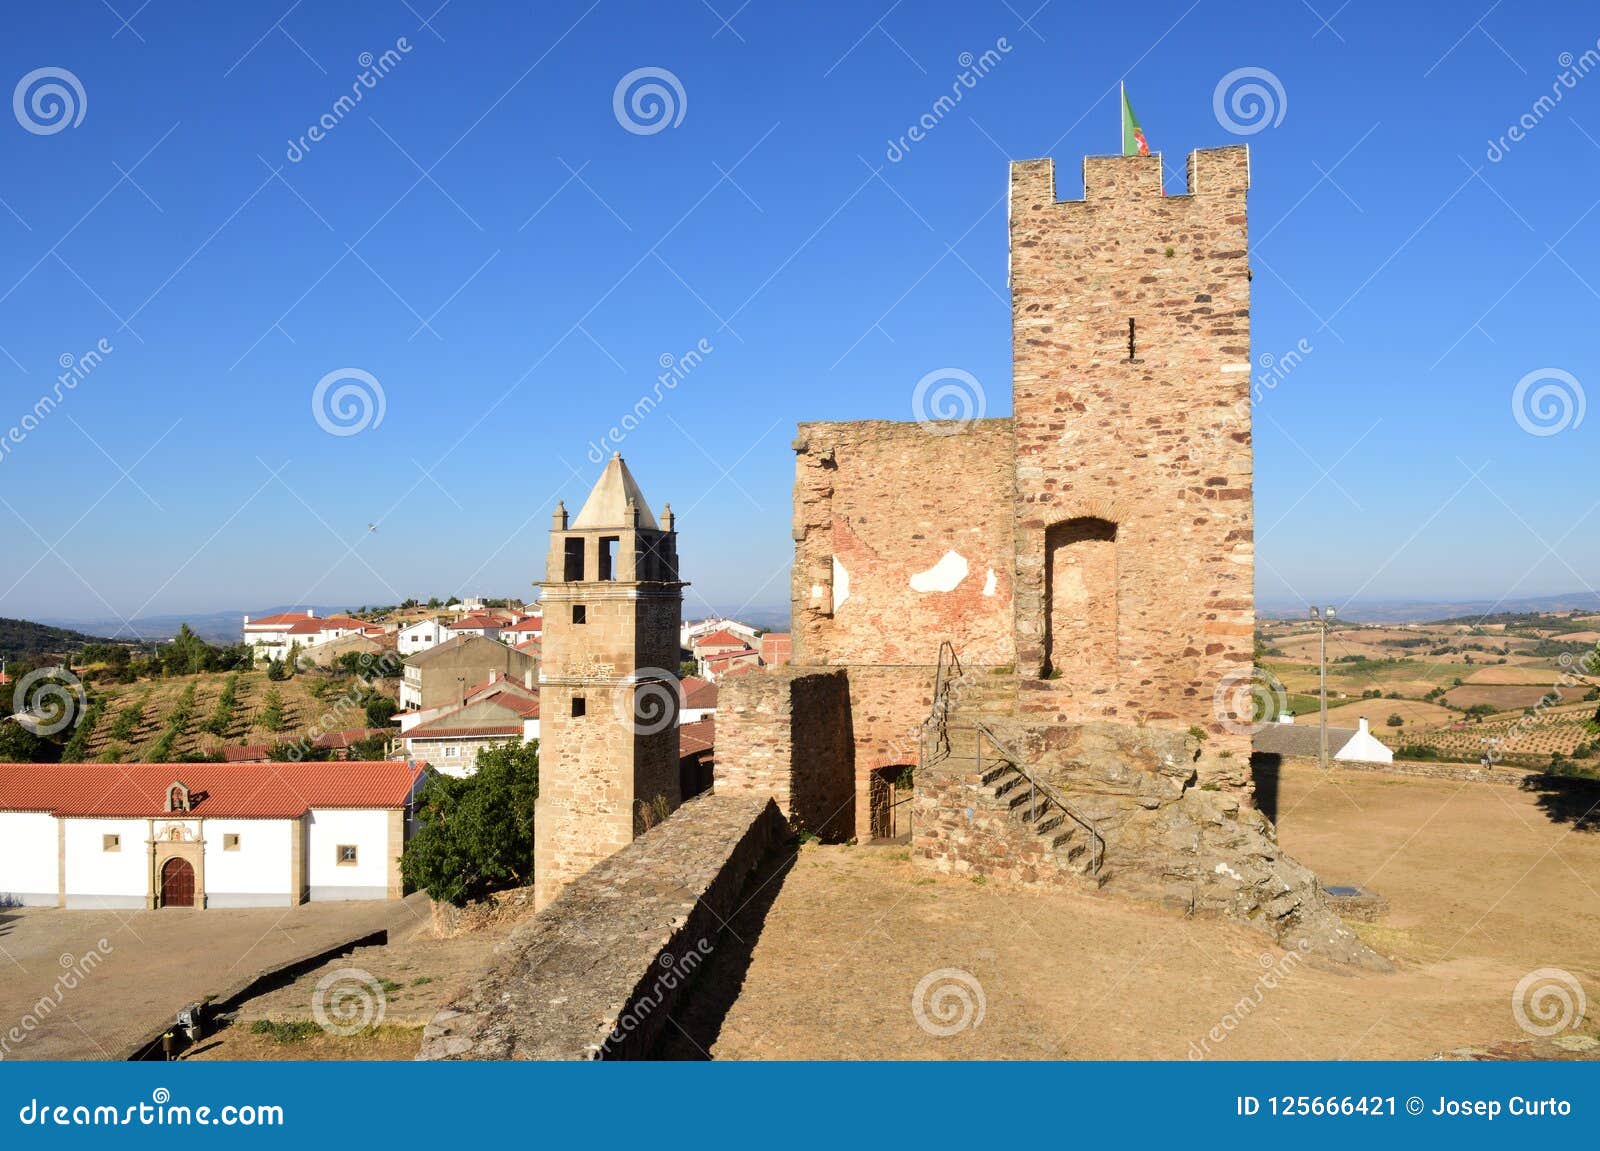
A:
696	737
698	692
216	790
474	622
286	617
248	753
723	638
429	731
534	623
724	659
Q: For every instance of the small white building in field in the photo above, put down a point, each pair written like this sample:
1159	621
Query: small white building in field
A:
203	834
1286	737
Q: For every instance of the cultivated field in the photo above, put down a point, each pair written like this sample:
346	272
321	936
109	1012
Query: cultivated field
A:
136	718
1431	675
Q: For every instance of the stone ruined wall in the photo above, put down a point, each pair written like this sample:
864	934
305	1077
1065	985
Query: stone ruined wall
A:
887	708
1155	448
899	542
786	734
597	974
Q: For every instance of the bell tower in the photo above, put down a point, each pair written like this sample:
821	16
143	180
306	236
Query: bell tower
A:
608	687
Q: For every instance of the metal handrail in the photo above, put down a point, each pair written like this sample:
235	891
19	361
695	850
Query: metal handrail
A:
1038	787
938	722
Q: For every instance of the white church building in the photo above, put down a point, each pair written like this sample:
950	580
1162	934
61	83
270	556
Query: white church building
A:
203	834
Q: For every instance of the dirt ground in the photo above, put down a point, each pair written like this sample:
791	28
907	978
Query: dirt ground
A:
391	991
1485	886
144	965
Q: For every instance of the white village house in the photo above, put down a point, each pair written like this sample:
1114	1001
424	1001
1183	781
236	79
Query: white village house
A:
420	636
1286	737
274	636
203	834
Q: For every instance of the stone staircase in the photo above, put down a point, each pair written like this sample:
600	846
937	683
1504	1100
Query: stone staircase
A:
1014	821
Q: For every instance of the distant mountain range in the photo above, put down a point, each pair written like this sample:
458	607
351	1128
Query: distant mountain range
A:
21	637
1427	611
224	627
219	627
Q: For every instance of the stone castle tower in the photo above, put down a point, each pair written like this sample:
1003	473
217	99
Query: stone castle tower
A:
608	696
1133	530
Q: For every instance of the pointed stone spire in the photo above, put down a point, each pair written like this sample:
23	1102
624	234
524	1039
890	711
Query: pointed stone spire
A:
607	505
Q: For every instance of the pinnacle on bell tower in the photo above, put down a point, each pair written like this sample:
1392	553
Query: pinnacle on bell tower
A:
608	692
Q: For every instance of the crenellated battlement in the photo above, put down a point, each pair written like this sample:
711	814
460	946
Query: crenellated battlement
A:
1211	171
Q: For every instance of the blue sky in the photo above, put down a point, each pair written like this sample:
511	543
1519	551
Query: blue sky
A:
483	236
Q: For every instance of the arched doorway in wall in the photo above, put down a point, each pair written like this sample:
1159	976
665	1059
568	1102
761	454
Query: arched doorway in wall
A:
1080	604
890	792
177	883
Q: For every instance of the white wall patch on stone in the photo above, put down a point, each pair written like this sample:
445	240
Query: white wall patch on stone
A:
841	583
989	582
945	575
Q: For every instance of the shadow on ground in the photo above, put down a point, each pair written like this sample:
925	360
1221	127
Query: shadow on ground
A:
718	984
1567	799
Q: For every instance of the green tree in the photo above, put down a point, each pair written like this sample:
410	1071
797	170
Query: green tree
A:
272	717
380	709
475	835
1394	720
19	745
276	672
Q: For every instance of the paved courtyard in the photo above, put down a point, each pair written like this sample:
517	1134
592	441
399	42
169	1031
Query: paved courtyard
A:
86	984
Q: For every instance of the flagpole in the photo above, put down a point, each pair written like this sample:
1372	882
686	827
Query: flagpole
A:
1122	103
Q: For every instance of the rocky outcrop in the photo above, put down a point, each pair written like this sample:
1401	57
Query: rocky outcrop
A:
1177	830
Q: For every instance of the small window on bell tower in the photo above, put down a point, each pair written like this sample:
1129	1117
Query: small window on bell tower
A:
580	613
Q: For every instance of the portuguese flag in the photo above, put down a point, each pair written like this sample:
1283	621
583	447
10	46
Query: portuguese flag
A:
1133	141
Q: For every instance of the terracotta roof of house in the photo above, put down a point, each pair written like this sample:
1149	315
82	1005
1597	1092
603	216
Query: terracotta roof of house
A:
698	692
723	638
329	623
534	623
216	790
698	736
341	740
430	731
741	669
469	622
283	617
726	658
247	753
528	647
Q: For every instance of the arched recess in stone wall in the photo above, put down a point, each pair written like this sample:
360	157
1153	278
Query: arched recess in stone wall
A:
1080	604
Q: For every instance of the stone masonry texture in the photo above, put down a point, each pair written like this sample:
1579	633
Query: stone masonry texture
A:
597	973
785	734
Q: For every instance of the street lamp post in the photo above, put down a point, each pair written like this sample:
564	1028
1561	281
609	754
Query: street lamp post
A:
1322	617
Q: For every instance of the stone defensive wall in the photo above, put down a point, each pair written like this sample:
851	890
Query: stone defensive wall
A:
785	734
597	973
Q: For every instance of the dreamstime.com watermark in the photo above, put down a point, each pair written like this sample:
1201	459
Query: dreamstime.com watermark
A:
348	1001
946	400
77	369
1266	374
1248	100
1548	401
373	69
675	970
1248	695
973	69
49	700
649	100
1573	69
340	714
1274	973
648	701
947	1001
49	100
1575	672
159	1112
675	369
348	401
1548	1001
75	969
